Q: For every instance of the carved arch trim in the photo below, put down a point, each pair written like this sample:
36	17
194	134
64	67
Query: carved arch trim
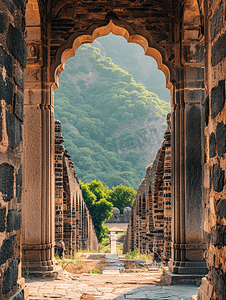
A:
69	50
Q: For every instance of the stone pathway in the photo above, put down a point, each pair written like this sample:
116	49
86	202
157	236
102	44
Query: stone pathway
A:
115	265
178	292
106	287
111	285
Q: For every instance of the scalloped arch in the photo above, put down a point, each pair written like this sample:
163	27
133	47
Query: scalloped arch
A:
64	55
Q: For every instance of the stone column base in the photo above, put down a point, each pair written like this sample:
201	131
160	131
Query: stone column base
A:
34	259
188	267
193	279
42	268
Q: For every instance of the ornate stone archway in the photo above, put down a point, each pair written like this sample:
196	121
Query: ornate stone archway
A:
178	53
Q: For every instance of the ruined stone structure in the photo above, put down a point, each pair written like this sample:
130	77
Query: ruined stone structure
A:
73	223
187	39
149	228
117	217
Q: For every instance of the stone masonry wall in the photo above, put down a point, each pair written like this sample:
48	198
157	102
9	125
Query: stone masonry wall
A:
13	57
73	223
149	228
214	284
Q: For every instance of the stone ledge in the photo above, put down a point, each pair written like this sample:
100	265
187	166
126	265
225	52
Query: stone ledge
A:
183	278
52	274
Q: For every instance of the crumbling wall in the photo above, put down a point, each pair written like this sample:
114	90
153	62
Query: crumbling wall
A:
214	284
117	217
149	228
73	223
13	57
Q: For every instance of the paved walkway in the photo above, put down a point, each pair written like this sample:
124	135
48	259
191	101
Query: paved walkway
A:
111	285
178	292
125	286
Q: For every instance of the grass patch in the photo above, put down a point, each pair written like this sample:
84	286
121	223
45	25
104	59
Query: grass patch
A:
135	254
95	271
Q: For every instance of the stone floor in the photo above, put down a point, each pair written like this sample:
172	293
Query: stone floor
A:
124	286
110	285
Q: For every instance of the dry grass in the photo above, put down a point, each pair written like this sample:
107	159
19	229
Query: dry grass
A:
87	266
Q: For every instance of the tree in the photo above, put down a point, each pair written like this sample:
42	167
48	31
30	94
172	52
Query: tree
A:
94	195
122	196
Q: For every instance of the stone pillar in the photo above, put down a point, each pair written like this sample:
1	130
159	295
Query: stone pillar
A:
38	172
38	204
187	164
113	239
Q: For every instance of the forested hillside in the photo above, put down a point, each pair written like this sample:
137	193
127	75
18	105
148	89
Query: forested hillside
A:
112	125
130	57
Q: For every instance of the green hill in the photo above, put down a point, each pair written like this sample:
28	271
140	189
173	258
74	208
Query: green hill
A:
130	57
112	125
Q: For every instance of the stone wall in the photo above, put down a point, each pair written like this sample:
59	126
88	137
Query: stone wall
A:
73	223
214	284
13	57
149	228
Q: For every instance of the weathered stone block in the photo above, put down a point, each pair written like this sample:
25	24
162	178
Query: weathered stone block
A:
6	181
218	98
217	21
219	283
10	277
0	123
33	34
13	130
221	208
218	50
23	24
221	138
21	4
19	77
6	90
224	238
193	52
14	220
19	184
212	145
9	4
192	73
208	240
2	22
211	177
218	178
206	109
217	236
7	249
2	219
194	96
6	61
19	105
17	45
